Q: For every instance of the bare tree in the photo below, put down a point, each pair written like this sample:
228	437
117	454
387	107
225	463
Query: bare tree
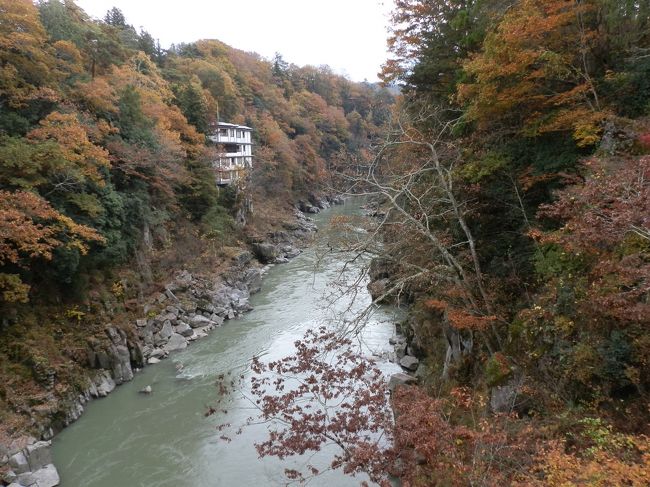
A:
422	229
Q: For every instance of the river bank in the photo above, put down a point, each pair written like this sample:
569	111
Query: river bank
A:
187	310
164	439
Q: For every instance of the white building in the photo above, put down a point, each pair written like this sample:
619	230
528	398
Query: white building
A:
235	151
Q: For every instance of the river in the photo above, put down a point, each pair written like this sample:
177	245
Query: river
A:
163	439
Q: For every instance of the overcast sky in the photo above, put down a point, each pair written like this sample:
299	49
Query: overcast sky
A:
348	35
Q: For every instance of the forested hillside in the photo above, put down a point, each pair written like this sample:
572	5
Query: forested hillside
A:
106	179
510	185
517	198
103	138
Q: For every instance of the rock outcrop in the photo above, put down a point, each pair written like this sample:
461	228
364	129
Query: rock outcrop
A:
28	463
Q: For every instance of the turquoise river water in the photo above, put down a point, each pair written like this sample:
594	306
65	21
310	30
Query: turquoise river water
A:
164	439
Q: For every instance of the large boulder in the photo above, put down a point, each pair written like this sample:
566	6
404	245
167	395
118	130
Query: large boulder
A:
509	397
183	329
409	363
43	477
163	335
308	207
19	463
120	356
198	321
39	454
182	281
217	319
176	342
161	318
290	252
265	252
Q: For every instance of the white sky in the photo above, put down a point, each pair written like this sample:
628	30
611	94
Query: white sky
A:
348	35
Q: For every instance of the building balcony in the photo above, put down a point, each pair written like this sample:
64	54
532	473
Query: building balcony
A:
225	139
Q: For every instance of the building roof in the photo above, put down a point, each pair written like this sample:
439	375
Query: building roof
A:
233	125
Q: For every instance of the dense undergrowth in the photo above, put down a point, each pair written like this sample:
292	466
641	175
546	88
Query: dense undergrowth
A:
522	236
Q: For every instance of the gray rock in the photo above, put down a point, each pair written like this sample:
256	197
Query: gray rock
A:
170	295
74	412
173	310
253	280
48	433
120	357
188	306
157	353
238	295
176	342
141	323
265	252
198	321
308	207
122	371
292	252
400	379
182	281
147	337
221	311
104	384
9	477
102	360
136	353
217	319
164	334
161	318
39	454
206	307
400	350
19	463
166	330
505	398
409	362
183	329
145	390
47	476
153	360
243	258
44	477
199	333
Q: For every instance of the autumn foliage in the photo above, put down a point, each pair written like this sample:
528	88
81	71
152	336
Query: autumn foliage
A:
108	129
536	111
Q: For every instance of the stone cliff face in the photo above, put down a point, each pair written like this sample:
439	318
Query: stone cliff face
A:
30	464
